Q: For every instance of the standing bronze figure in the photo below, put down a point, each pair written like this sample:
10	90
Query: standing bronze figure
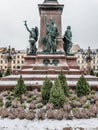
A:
67	40
33	37
50	39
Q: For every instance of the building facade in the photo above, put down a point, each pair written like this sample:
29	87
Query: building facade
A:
82	54
17	61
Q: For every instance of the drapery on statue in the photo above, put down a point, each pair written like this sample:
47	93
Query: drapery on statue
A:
33	37
50	39
67	40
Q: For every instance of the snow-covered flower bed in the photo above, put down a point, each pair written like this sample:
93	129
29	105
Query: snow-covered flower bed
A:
29	112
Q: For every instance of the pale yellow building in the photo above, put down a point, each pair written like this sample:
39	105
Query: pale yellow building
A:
17	60
81	55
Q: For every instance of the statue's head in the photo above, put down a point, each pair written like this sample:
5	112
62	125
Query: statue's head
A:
52	20
69	27
33	29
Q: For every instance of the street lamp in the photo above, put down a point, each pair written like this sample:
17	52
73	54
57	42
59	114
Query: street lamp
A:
9	54
88	56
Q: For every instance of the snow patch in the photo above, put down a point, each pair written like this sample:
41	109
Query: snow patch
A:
16	124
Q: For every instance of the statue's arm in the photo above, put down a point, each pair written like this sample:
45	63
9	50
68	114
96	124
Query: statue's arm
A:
36	32
27	26
71	34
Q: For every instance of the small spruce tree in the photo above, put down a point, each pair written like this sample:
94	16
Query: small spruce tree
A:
92	72
45	90
20	88
1	74
57	96
63	82
7	72
82	87
97	74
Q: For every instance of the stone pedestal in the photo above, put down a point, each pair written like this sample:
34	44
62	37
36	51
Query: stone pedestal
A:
29	59
50	62
47	10
72	62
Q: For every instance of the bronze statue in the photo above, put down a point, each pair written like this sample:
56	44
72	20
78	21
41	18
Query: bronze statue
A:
89	52
50	39
67	40
33	37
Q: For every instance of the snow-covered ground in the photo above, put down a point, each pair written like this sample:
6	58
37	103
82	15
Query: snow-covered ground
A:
87	124
40	82
48	75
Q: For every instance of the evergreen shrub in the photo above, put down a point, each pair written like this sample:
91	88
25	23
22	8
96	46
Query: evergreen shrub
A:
82	87
57	96
20	88
45	90
63	82
7	72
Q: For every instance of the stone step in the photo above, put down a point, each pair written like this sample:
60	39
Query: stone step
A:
9	85
49	71
52	77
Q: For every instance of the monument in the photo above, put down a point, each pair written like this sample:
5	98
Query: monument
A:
67	40
52	54
51	9
33	37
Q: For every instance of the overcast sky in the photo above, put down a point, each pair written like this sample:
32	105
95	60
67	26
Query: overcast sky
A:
81	15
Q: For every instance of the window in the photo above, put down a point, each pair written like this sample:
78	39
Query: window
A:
94	67
22	61
18	56
14	61
18	67
18	62
1	61
13	67
22	56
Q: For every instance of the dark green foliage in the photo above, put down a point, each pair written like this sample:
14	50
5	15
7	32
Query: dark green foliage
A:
45	90
92	72
7	72
29	100
39	105
97	74
57	96
63	82
0	73
82	87
8	103
1	104
20	88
